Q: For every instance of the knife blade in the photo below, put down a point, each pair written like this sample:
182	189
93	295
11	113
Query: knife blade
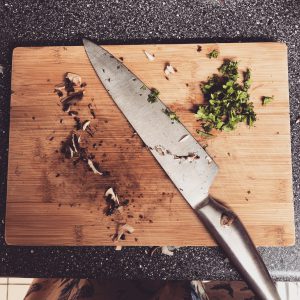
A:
187	164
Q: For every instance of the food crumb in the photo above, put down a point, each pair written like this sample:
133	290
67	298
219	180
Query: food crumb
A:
227	219
248	192
57	175
213	54
169	69
33	118
150	57
199	48
92	112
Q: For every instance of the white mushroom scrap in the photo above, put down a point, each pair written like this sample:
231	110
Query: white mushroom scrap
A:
74	78
85	124
150	57
169	70
91	165
165	250
124	229
110	192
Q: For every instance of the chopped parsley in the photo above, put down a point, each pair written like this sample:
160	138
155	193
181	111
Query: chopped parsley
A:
226	101
171	114
203	133
266	100
213	54
153	96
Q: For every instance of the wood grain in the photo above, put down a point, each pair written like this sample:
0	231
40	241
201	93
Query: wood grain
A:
255	164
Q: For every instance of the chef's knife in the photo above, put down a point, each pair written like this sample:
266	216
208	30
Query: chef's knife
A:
187	164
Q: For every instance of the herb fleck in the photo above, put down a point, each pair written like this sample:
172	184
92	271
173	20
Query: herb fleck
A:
266	100
153	96
172	115
213	54
203	133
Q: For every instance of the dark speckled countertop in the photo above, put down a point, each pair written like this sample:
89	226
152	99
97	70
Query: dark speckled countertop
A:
50	22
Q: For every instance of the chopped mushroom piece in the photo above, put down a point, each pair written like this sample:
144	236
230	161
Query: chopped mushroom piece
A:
71	152
91	165
85	124
113	196
153	250
150	57
74	78
71	90
165	250
59	87
169	70
118	248
75	143
113	203
72	97
121	232
127	228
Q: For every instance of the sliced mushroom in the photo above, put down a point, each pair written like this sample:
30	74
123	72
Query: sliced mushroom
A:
91	165
169	69
74	78
85	124
150	57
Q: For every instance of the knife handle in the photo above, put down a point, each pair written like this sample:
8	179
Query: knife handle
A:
232	237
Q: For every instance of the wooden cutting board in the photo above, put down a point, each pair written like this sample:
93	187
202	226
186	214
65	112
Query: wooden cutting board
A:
51	202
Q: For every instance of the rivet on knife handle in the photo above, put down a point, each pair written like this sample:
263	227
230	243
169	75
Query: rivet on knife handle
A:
231	235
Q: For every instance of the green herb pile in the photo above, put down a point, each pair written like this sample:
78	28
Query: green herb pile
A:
226	101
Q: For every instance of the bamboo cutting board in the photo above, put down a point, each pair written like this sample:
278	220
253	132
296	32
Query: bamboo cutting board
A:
52	202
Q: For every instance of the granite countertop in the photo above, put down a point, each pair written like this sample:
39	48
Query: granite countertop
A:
24	23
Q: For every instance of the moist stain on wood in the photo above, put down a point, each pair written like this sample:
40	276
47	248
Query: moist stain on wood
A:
258	153
47	187
17	171
78	233
39	151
